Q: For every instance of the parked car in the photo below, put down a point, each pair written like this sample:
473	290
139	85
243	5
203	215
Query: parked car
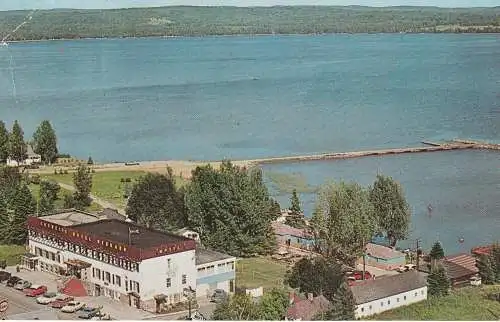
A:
35	290
72	307
12	281
22	284
101	316
47	298
406	268
218	296
61	301
88	312
4	276
358	275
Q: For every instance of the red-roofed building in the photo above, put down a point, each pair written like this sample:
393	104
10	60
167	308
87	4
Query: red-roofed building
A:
481	250
290	236
460	268
307	309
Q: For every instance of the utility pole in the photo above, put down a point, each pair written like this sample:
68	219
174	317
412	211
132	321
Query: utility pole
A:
418	253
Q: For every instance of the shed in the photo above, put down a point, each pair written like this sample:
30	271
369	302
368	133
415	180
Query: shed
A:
384	257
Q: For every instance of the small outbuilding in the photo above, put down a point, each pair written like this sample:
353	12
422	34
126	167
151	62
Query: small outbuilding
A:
383	257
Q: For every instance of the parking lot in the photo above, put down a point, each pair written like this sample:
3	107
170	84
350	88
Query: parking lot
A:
21	304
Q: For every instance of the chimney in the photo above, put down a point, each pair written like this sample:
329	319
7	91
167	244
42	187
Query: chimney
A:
310	296
291	297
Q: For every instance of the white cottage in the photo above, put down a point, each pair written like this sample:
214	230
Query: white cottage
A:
387	293
32	158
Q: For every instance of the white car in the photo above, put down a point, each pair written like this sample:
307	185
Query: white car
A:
47	298
72	307
475	281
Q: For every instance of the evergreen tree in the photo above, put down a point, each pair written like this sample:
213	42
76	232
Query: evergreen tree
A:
4	221
495	260
4	142
438	281
387	196
436	253
486	270
45	142
23	206
295	218
90	161
18	150
82	180
48	195
343	305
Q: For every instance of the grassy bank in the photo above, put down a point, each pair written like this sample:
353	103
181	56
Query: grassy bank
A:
59	204
466	304
107	185
259	271
286	182
11	253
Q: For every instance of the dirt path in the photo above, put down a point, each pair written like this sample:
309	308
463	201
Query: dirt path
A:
99	201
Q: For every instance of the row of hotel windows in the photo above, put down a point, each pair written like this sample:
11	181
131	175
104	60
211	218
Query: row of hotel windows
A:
397	300
221	268
184	280
94	254
113	279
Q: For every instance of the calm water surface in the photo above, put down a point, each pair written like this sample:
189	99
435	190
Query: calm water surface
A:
248	97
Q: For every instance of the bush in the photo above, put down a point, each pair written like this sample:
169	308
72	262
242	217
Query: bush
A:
35	179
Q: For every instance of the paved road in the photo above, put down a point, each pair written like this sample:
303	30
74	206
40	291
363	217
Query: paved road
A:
103	203
18	302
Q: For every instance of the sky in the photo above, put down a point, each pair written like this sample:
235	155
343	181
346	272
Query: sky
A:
108	4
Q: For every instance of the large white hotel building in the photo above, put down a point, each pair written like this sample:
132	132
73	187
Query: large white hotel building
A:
141	267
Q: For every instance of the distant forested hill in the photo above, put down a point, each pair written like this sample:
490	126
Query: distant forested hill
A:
201	21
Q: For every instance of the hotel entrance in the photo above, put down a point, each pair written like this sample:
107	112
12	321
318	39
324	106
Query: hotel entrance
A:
29	261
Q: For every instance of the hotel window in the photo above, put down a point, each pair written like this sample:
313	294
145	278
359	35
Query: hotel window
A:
93	272
210	269
118	280
362	309
168	263
416	294
98	273
113	277
370	307
397	300
221	267
169	282
184	278
108	277
381	303
232	265
389	302
404	298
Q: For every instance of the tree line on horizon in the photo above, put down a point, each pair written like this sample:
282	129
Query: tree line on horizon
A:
205	21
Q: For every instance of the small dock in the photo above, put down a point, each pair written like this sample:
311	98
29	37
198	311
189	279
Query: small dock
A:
430	147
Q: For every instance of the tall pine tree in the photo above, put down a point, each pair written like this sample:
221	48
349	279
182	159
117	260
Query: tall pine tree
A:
45	142
343	305
4	221
436	253
4	142
23	206
295	218
438	281
18	150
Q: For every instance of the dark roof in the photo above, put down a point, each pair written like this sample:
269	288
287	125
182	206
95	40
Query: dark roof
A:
456	271
380	288
306	309
380	251
465	260
204	256
118	231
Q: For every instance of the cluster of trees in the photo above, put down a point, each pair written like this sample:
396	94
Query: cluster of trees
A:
489	266
13	145
437	280
217	203
200	21
347	216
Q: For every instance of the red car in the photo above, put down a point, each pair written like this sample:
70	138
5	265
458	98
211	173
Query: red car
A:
59	303
358	275
35	290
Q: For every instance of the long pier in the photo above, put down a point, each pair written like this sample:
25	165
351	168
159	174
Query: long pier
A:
429	147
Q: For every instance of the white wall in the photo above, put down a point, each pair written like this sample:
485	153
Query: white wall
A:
228	265
154	273
391	302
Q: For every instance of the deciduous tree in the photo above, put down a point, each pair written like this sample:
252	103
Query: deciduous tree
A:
344	221
438	281
155	202
45	142
23	206
295	218
48	195
273	305
317	276
4	220
232	202
18	150
82	180
4	142
486	269
238	307
391	207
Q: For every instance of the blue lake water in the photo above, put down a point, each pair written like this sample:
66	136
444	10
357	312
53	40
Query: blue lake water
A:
248	97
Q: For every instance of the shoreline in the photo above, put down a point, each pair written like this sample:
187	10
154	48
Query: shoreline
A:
27	41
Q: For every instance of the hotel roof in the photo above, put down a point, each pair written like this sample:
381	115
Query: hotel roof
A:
71	218
204	256
118	231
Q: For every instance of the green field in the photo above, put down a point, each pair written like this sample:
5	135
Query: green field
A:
259	271
11	253
287	182
466	304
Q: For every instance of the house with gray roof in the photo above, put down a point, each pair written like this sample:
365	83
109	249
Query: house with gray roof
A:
389	292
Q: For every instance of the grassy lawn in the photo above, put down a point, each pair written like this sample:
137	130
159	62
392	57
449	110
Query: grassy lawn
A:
287	182
463	304
11	253
259	271
106	185
35	189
